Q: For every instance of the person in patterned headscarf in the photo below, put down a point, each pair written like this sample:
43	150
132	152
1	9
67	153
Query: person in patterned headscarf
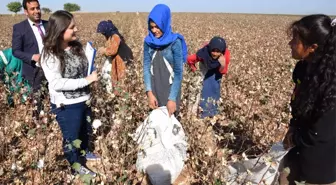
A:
111	50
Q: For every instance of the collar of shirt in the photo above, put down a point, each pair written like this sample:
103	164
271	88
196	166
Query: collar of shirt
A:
33	24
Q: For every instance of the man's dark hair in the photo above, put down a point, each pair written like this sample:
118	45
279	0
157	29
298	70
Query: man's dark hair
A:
24	3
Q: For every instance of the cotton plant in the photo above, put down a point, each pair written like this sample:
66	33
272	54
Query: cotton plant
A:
264	74
106	76
40	164
95	125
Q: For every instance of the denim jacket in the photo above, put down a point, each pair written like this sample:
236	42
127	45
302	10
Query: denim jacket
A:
173	54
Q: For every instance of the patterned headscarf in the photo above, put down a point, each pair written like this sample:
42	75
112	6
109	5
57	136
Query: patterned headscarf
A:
108	29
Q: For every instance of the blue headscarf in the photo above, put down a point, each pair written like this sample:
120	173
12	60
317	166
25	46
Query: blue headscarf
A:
108	29
161	16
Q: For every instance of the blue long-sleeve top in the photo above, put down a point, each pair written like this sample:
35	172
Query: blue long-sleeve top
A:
174	55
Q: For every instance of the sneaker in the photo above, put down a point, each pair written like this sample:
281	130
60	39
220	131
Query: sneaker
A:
91	157
84	171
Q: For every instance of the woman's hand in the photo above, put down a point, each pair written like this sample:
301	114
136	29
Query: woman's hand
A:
171	106
221	60
92	77
152	101
192	67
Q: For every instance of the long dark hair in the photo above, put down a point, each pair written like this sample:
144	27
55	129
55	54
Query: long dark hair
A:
58	23
317	93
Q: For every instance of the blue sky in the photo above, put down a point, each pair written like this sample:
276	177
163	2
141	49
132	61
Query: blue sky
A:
227	6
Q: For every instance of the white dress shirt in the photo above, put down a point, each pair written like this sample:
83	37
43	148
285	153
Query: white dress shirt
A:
37	34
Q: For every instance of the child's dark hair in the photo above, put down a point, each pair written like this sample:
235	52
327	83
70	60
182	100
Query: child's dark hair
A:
24	3
318	91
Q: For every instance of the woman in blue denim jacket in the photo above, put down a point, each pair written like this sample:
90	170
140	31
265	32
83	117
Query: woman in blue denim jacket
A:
164	55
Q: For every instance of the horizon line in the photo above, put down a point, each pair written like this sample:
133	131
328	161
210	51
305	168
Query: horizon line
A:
248	13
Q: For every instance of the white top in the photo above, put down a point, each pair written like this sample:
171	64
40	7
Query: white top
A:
58	84
37	34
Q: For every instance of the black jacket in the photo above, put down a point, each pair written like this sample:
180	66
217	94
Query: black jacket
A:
315	141
24	45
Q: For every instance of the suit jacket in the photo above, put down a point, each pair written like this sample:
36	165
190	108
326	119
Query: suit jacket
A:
24	45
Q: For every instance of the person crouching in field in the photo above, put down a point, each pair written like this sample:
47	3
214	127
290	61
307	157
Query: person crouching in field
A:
11	76
111	50
215	59
164	55
312	129
65	67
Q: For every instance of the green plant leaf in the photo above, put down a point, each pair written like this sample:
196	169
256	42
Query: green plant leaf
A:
88	119
126	95
86	179
83	152
76	166
68	146
77	143
122	178
218	182
31	132
287	170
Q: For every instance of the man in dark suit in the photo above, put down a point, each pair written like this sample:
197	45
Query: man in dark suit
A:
27	43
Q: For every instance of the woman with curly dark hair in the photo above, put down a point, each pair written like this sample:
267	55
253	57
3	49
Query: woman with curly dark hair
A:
312	130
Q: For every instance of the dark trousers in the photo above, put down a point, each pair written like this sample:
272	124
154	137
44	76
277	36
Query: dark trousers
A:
37	96
35	81
291	162
74	121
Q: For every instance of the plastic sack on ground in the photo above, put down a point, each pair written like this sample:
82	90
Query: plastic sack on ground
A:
261	170
162	147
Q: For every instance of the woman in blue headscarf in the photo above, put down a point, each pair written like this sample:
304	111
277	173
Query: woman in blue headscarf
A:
164	55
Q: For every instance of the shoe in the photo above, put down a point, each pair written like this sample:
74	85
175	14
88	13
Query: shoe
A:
91	157
85	171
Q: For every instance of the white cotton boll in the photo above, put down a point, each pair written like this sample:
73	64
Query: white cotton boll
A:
245	157
40	163
109	89
96	123
45	120
20	168
13	167
1	171
24	97
106	76
107	67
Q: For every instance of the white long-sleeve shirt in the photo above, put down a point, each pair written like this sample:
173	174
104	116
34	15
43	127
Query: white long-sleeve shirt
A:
60	86
38	37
